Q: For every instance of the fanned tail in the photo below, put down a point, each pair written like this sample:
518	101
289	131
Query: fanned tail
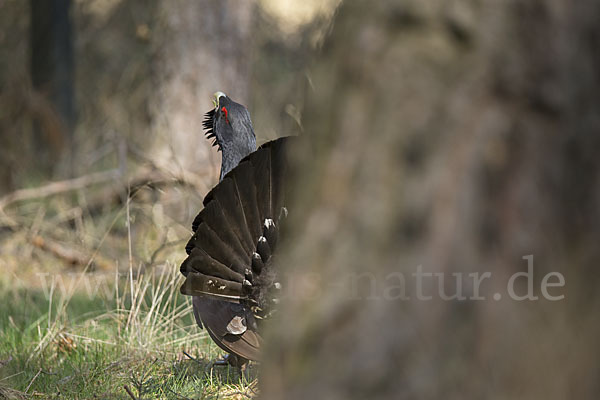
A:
231	254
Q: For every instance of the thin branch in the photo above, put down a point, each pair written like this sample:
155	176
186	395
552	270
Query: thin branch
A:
195	179
58	187
164	246
117	194
112	195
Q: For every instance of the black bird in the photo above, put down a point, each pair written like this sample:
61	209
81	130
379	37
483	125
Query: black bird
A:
231	268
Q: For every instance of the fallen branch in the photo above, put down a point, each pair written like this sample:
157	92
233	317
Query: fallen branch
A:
112	195
117	194
70	255
58	187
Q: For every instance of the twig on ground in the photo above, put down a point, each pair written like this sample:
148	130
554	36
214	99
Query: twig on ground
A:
49	373
192	358
178	395
129	392
33	380
12	376
142	381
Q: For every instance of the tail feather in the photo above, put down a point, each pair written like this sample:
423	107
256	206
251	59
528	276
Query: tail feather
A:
231	206
214	216
218	315
206	239
210	266
198	284
243	179
271	233
263	249
240	219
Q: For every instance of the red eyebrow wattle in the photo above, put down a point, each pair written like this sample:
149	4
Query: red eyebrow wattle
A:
225	112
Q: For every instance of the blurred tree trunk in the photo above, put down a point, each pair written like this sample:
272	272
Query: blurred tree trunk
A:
460	136
52	74
203	47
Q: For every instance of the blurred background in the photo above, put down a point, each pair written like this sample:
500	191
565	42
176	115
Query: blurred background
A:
104	163
456	135
107	97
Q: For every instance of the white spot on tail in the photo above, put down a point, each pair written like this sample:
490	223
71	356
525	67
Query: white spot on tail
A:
262	239
269	223
237	325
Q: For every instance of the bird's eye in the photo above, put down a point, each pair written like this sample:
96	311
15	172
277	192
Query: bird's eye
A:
224	114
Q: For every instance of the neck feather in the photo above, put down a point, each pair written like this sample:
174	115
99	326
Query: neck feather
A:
232	155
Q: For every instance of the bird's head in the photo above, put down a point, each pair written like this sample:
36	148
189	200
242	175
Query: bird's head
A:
230	125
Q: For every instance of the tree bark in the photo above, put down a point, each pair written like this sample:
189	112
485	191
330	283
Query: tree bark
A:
203	48
446	137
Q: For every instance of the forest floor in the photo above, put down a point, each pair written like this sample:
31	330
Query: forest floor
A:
90	306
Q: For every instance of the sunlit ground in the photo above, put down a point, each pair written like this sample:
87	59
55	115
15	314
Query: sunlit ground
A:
98	330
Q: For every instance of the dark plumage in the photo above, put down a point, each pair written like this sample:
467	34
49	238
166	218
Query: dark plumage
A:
231	265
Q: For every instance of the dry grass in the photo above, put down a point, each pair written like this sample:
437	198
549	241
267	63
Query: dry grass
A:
82	331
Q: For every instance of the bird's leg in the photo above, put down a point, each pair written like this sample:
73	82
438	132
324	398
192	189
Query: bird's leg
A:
233	360
223	361
237	362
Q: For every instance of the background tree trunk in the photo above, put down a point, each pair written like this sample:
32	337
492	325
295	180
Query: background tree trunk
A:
52	74
203	47
459	136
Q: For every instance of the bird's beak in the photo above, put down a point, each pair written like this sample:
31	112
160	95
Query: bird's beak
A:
216	98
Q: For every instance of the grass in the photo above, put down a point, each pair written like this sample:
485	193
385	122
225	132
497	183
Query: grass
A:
91	345
75	332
